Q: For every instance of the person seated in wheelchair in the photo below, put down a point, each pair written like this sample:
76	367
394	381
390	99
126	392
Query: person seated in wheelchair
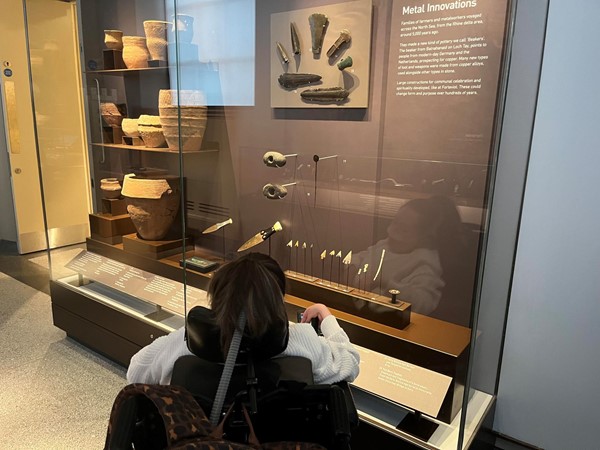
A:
255	284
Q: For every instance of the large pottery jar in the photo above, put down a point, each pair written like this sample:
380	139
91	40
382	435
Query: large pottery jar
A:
152	204
151	131
135	52
156	38
113	39
189	111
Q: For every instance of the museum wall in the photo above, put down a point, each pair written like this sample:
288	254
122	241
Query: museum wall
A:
8	230
548	393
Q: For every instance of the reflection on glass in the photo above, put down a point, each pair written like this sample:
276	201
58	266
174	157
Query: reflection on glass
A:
215	49
419	256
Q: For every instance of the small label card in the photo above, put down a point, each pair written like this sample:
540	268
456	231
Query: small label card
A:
407	384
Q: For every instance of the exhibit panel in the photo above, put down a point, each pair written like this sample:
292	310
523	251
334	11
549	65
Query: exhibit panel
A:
354	142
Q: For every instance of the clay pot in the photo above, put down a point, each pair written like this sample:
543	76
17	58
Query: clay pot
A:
186	122
152	204
113	39
130	127
135	52
156	38
110	114
151	131
110	187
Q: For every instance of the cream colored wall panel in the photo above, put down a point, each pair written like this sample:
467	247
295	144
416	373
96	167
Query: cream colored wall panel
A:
18	114
58	99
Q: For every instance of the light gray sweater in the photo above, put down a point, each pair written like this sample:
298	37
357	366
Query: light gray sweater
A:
332	355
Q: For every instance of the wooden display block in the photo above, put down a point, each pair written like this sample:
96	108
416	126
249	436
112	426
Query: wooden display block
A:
157	63
114	206
132	140
107	225
113	59
155	249
369	305
112	240
112	135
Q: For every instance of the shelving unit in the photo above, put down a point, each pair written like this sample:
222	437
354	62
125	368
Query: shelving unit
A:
150	149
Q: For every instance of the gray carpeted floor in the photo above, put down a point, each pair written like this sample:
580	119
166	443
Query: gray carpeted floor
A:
54	393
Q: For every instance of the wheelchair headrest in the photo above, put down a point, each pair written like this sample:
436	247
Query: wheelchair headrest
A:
203	338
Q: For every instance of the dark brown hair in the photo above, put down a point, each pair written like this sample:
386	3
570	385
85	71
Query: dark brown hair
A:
255	284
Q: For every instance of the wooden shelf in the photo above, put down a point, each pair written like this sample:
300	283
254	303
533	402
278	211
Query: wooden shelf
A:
124	71
150	149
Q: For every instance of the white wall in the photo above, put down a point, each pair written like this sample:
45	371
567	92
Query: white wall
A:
549	391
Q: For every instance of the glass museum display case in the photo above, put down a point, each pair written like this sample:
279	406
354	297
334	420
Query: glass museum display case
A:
353	141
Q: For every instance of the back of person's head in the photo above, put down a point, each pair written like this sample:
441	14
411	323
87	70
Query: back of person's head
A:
255	284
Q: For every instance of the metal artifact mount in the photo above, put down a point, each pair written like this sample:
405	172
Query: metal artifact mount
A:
394	293
316	159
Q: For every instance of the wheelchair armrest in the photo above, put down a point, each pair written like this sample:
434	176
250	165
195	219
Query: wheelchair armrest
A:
350	405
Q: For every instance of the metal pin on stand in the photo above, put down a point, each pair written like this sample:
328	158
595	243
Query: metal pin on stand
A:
316	159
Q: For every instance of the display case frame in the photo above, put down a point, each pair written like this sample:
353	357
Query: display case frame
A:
115	321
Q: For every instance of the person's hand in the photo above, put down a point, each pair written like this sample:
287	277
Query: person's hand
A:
317	310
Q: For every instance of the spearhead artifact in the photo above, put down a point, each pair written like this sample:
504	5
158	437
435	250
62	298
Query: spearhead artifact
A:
348	258
343	39
318	26
217	226
295	39
282	53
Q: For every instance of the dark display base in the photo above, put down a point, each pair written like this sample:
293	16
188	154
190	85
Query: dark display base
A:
353	301
113	59
418	426
114	206
155	249
132	140
107	330
157	63
112	135
108	240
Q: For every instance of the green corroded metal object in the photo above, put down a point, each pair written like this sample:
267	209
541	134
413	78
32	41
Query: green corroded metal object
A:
318	25
333	94
294	80
345	63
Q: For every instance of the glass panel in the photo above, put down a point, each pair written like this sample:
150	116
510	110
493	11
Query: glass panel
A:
376	190
397	173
